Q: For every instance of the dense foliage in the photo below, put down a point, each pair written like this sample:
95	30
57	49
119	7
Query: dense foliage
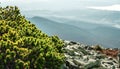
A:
23	46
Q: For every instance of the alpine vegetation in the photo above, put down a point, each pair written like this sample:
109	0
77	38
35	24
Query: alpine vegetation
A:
23	46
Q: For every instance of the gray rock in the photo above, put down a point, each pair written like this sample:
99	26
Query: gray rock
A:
72	43
71	65
108	62
119	59
77	62
88	48
80	56
92	65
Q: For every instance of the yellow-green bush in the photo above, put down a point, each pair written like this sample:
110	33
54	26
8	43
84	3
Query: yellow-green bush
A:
23	46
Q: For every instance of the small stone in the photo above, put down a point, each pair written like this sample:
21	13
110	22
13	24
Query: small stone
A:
76	53
115	61
72	43
88	48
92	65
91	60
110	58
71	53
99	57
68	56
113	67
85	58
119	59
71	65
110	63
78	62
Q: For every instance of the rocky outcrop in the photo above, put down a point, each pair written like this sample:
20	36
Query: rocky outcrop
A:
80	56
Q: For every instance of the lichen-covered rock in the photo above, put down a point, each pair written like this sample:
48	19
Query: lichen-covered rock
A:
80	56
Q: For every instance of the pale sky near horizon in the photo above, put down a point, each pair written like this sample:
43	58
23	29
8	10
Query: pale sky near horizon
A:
109	8
62	4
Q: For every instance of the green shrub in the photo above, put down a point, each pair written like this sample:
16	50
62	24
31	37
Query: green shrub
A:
23	46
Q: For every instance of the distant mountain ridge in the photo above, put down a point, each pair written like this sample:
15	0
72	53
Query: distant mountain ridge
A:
64	31
100	34
86	14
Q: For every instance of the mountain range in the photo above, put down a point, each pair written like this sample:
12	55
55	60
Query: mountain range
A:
79	31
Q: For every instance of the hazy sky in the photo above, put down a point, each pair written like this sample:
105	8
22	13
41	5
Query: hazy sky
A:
109	8
57	4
